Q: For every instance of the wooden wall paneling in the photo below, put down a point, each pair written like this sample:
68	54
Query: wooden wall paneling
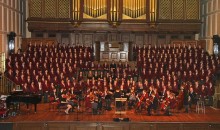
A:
84	126
97	51
140	126
29	126
9	20
139	39
130	51
149	39
161	41
154	39
72	38
65	38
100	37
115	126
1	16
168	38
168	126
214	126
58	126
132	37
218	21
192	43
190	126
214	24
178	42
202	43
77	38
218	5
125	37
146	38
1	43
87	39
113	37
9	3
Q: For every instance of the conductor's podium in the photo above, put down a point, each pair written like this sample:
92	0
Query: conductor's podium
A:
120	105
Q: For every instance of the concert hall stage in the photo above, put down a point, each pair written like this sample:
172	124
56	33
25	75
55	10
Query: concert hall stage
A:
46	119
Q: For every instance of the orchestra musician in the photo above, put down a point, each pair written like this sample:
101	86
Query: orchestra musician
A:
185	99
131	99
192	97
107	95
71	102
179	98
152	103
54	96
168	102
141	100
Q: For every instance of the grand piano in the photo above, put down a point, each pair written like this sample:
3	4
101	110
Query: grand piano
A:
19	96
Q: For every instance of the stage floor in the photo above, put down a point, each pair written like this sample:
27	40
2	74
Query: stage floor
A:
43	114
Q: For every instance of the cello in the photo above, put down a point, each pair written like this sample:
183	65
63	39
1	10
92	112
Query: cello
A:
150	100
143	97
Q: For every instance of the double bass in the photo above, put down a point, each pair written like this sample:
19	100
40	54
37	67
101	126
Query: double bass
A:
169	101
179	100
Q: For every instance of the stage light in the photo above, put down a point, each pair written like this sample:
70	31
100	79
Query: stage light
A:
216	44
11	42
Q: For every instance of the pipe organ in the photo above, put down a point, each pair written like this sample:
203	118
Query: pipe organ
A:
125	15
134	9
95	9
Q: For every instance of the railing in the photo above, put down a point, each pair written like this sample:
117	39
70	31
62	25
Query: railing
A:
6	85
216	97
2	63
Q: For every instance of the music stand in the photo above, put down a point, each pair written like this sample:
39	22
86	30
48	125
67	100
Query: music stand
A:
119	104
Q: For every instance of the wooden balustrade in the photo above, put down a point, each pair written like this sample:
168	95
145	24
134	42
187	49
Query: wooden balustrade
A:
37	41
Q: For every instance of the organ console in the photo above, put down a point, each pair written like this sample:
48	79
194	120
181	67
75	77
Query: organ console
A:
116	51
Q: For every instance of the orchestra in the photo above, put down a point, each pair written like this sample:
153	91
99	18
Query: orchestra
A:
155	82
